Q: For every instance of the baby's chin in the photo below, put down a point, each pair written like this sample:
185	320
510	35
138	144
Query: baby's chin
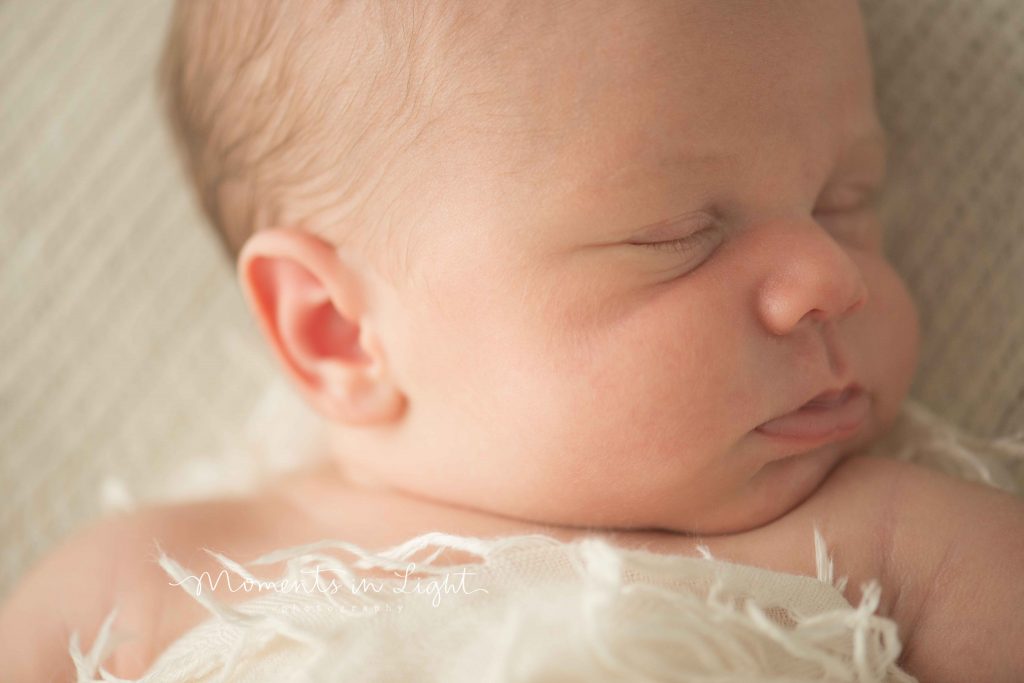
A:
777	488
788	483
769	492
780	484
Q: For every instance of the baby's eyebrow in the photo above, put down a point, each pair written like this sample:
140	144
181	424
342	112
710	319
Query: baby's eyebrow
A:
868	150
859	151
669	162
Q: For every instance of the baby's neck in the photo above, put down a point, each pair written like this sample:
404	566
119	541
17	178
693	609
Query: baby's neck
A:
352	505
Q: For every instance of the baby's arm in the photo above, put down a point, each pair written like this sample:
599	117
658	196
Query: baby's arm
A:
949	555
69	590
113	562
954	554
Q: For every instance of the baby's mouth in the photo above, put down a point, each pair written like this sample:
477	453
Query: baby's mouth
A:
829	416
831	399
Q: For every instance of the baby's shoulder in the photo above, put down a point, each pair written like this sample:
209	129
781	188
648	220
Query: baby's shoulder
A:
64	592
113	563
156	607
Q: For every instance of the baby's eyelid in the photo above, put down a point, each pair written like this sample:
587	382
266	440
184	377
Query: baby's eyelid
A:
849	198
708	237
676	230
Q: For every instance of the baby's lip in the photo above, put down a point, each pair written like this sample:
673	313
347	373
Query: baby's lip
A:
832	397
829	415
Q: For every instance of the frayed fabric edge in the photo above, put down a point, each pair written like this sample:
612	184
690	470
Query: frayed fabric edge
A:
600	564
922	437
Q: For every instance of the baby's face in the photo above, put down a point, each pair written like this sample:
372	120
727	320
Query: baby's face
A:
558	370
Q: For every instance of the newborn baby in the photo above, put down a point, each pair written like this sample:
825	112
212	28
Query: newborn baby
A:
574	268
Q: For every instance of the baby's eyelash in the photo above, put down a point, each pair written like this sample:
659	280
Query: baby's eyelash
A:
683	244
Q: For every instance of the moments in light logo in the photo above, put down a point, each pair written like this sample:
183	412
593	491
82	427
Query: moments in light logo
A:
312	582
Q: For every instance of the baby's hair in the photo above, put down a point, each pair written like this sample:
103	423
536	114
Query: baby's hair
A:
283	110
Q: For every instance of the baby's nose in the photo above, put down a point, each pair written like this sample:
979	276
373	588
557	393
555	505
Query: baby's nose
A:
812	277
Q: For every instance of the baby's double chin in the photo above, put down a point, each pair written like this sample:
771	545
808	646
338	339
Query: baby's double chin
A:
774	491
780	485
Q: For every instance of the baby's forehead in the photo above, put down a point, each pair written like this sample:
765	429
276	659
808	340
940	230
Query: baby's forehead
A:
540	63
345	91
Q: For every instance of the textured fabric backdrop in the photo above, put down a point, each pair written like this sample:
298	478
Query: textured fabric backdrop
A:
124	342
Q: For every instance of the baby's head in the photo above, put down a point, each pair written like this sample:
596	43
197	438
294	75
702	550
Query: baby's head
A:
557	261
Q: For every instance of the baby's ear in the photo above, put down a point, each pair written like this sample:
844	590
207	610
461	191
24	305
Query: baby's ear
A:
310	305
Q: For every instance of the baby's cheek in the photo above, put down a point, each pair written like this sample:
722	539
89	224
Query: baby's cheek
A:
653	384
894	340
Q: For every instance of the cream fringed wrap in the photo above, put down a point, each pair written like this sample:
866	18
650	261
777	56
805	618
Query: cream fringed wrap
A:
537	609
551	611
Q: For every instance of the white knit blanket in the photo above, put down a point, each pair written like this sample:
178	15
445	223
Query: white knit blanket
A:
536	609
